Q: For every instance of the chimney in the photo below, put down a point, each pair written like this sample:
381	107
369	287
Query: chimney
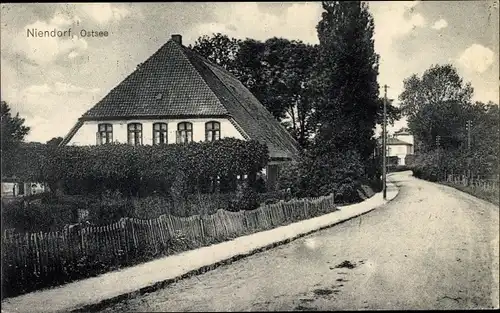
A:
177	38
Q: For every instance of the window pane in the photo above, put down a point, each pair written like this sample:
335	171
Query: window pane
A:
109	127
101	127
164	126
216	125
189	126
182	126
208	126
156	126
217	135
138	126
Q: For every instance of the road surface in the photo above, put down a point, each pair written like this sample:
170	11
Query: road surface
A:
432	247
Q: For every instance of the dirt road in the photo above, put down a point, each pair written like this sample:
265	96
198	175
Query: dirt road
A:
432	247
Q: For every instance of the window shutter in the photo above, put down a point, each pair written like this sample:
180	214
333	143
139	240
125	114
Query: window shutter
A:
97	141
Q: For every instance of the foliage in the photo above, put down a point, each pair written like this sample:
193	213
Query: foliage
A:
438	103
55	141
35	216
12	134
142	169
346	79
393	113
278	72
339	173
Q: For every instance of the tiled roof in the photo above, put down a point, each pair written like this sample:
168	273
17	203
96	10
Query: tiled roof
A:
396	141
165	85
175	81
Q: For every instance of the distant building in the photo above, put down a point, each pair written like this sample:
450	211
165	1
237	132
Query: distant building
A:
399	145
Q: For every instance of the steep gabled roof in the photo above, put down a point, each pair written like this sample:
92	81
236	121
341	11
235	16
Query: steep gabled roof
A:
175	81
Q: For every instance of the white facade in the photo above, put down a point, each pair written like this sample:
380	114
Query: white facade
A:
86	134
401	151
10	189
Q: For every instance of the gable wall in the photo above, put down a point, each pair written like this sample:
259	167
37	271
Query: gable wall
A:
86	135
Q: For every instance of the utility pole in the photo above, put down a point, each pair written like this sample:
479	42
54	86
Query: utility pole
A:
438	144
384	144
468	126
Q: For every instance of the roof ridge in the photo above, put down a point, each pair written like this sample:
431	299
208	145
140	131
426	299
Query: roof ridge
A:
227	72
183	50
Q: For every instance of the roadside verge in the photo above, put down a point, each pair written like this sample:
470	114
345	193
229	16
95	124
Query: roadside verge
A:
96	292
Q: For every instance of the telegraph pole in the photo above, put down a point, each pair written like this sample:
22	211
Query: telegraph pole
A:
384	144
468	126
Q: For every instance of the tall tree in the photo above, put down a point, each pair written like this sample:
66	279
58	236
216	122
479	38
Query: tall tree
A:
347	81
13	129
436	104
218	48
13	133
276	71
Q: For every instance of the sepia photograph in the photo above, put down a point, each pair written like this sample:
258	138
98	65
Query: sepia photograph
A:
250	156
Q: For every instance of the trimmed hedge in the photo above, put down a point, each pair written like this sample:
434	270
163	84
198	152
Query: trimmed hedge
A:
142	170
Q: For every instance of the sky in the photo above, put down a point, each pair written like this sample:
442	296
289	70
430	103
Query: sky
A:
51	82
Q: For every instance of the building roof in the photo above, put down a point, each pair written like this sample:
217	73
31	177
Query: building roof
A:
396	141
177	82
403	131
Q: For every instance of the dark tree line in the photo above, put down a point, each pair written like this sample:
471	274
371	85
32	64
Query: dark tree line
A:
439	104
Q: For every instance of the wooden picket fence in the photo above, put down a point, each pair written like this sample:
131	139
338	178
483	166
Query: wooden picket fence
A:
475	182
77	251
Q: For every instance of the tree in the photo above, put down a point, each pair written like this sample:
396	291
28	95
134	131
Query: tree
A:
13	133
436	104
276	71
393	113
13	129
346	80
219	49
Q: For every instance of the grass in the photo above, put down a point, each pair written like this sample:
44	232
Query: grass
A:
491	196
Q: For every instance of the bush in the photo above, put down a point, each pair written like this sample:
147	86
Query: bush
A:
24	216
128	169
341	174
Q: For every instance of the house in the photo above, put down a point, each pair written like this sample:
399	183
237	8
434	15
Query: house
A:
399	148
13	187
177	96
399	145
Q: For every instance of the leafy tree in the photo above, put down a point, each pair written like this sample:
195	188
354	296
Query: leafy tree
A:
13	133
346	79
13	129
276	71
393	113
220	49
436	104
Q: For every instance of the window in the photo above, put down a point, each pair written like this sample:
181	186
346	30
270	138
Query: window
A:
104	134
135	134
159	133
184	132
212	131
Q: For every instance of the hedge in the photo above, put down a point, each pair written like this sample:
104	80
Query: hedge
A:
134	170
